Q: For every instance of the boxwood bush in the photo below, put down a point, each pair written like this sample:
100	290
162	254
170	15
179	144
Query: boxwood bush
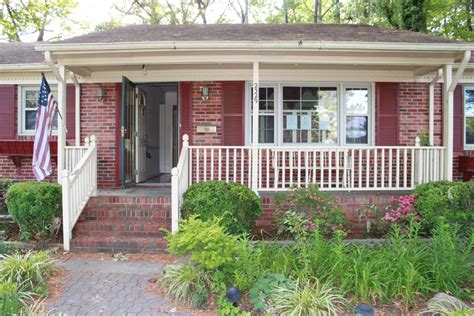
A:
33	206
236	205
452	200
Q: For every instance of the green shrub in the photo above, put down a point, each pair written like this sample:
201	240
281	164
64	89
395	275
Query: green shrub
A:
207	241
321	208
33	206
12	298
188	284
236	205
452	200
28	270
4	186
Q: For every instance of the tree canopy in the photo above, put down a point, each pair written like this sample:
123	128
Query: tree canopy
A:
33	17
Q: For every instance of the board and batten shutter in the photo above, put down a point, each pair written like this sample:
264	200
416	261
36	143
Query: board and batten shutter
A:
185	109
7	112
233	113
71	111
387	120
458	118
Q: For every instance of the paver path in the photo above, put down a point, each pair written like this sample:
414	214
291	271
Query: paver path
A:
104	287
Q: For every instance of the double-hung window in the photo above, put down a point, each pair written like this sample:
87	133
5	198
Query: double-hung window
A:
266	115
309	115
356	107
27	108
469	118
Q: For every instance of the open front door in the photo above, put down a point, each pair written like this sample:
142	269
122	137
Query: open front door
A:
141	136
128	131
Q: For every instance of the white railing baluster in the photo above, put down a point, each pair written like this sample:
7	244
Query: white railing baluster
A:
212	163
219	172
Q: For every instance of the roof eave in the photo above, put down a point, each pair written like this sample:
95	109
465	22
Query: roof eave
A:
255	45
24	67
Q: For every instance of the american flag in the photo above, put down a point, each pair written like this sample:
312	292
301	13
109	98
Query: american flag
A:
47	108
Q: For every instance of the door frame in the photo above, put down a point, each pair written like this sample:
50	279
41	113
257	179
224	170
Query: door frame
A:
121	138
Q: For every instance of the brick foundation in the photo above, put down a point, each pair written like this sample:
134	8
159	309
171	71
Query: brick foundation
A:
350	202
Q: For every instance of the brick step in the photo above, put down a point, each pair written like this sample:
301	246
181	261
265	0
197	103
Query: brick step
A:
142	200
120	227
115	244
126	212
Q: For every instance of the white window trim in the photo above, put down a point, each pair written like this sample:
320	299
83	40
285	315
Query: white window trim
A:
341	129
466	145
21	103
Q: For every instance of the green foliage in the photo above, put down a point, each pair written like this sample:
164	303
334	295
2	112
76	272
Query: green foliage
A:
33	206
322	208
33	17
306	298
12	298
261	294
28	270
188	284
452	200
372	216
236	205
207	241
4	186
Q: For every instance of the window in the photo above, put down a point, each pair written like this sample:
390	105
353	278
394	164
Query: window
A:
309	115
312	114
266	119
469	117
28	100
357	115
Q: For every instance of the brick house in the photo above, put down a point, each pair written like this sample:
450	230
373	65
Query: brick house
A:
341	106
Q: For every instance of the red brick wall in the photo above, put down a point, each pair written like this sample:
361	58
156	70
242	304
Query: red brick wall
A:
206	112
99	118
350	202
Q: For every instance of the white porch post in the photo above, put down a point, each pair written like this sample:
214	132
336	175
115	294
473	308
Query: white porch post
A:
61	121
448	112
255	108
431	105
77	113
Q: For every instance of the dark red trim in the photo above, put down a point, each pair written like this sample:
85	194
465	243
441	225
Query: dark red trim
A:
387	124
7	111
458	119
185	111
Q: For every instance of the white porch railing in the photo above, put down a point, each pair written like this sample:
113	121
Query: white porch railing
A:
180	176
78	184
343	168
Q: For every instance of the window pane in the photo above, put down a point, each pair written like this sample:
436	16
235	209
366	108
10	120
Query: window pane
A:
310	93
30	119
470	130
291	105
327	116
270	93
356	130
55	122
469	102
291	93
357	101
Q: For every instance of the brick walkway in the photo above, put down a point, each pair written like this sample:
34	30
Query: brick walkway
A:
104	287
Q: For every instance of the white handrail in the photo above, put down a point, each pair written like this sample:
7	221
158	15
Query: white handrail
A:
78	185
179	183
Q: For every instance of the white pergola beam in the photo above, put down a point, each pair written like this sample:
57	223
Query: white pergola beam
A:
460	70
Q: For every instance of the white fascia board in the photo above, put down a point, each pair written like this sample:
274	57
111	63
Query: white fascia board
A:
258	45
24	67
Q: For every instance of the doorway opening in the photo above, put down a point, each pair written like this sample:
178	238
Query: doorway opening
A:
149	132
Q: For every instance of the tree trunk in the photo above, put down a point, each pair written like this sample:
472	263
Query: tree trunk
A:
316	11
246	17
337	14
285	9
469	9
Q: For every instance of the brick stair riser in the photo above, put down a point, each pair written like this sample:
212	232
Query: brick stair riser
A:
128	212
130	200
100	228
115	246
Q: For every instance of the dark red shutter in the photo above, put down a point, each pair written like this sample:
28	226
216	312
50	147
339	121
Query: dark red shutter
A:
185	109
71	111
387	120
458	118
233	113
7	112
118	135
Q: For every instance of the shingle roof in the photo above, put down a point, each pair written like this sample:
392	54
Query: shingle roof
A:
19	53
255	32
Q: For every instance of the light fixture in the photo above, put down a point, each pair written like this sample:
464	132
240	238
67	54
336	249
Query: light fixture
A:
204	93
145	72
100	93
